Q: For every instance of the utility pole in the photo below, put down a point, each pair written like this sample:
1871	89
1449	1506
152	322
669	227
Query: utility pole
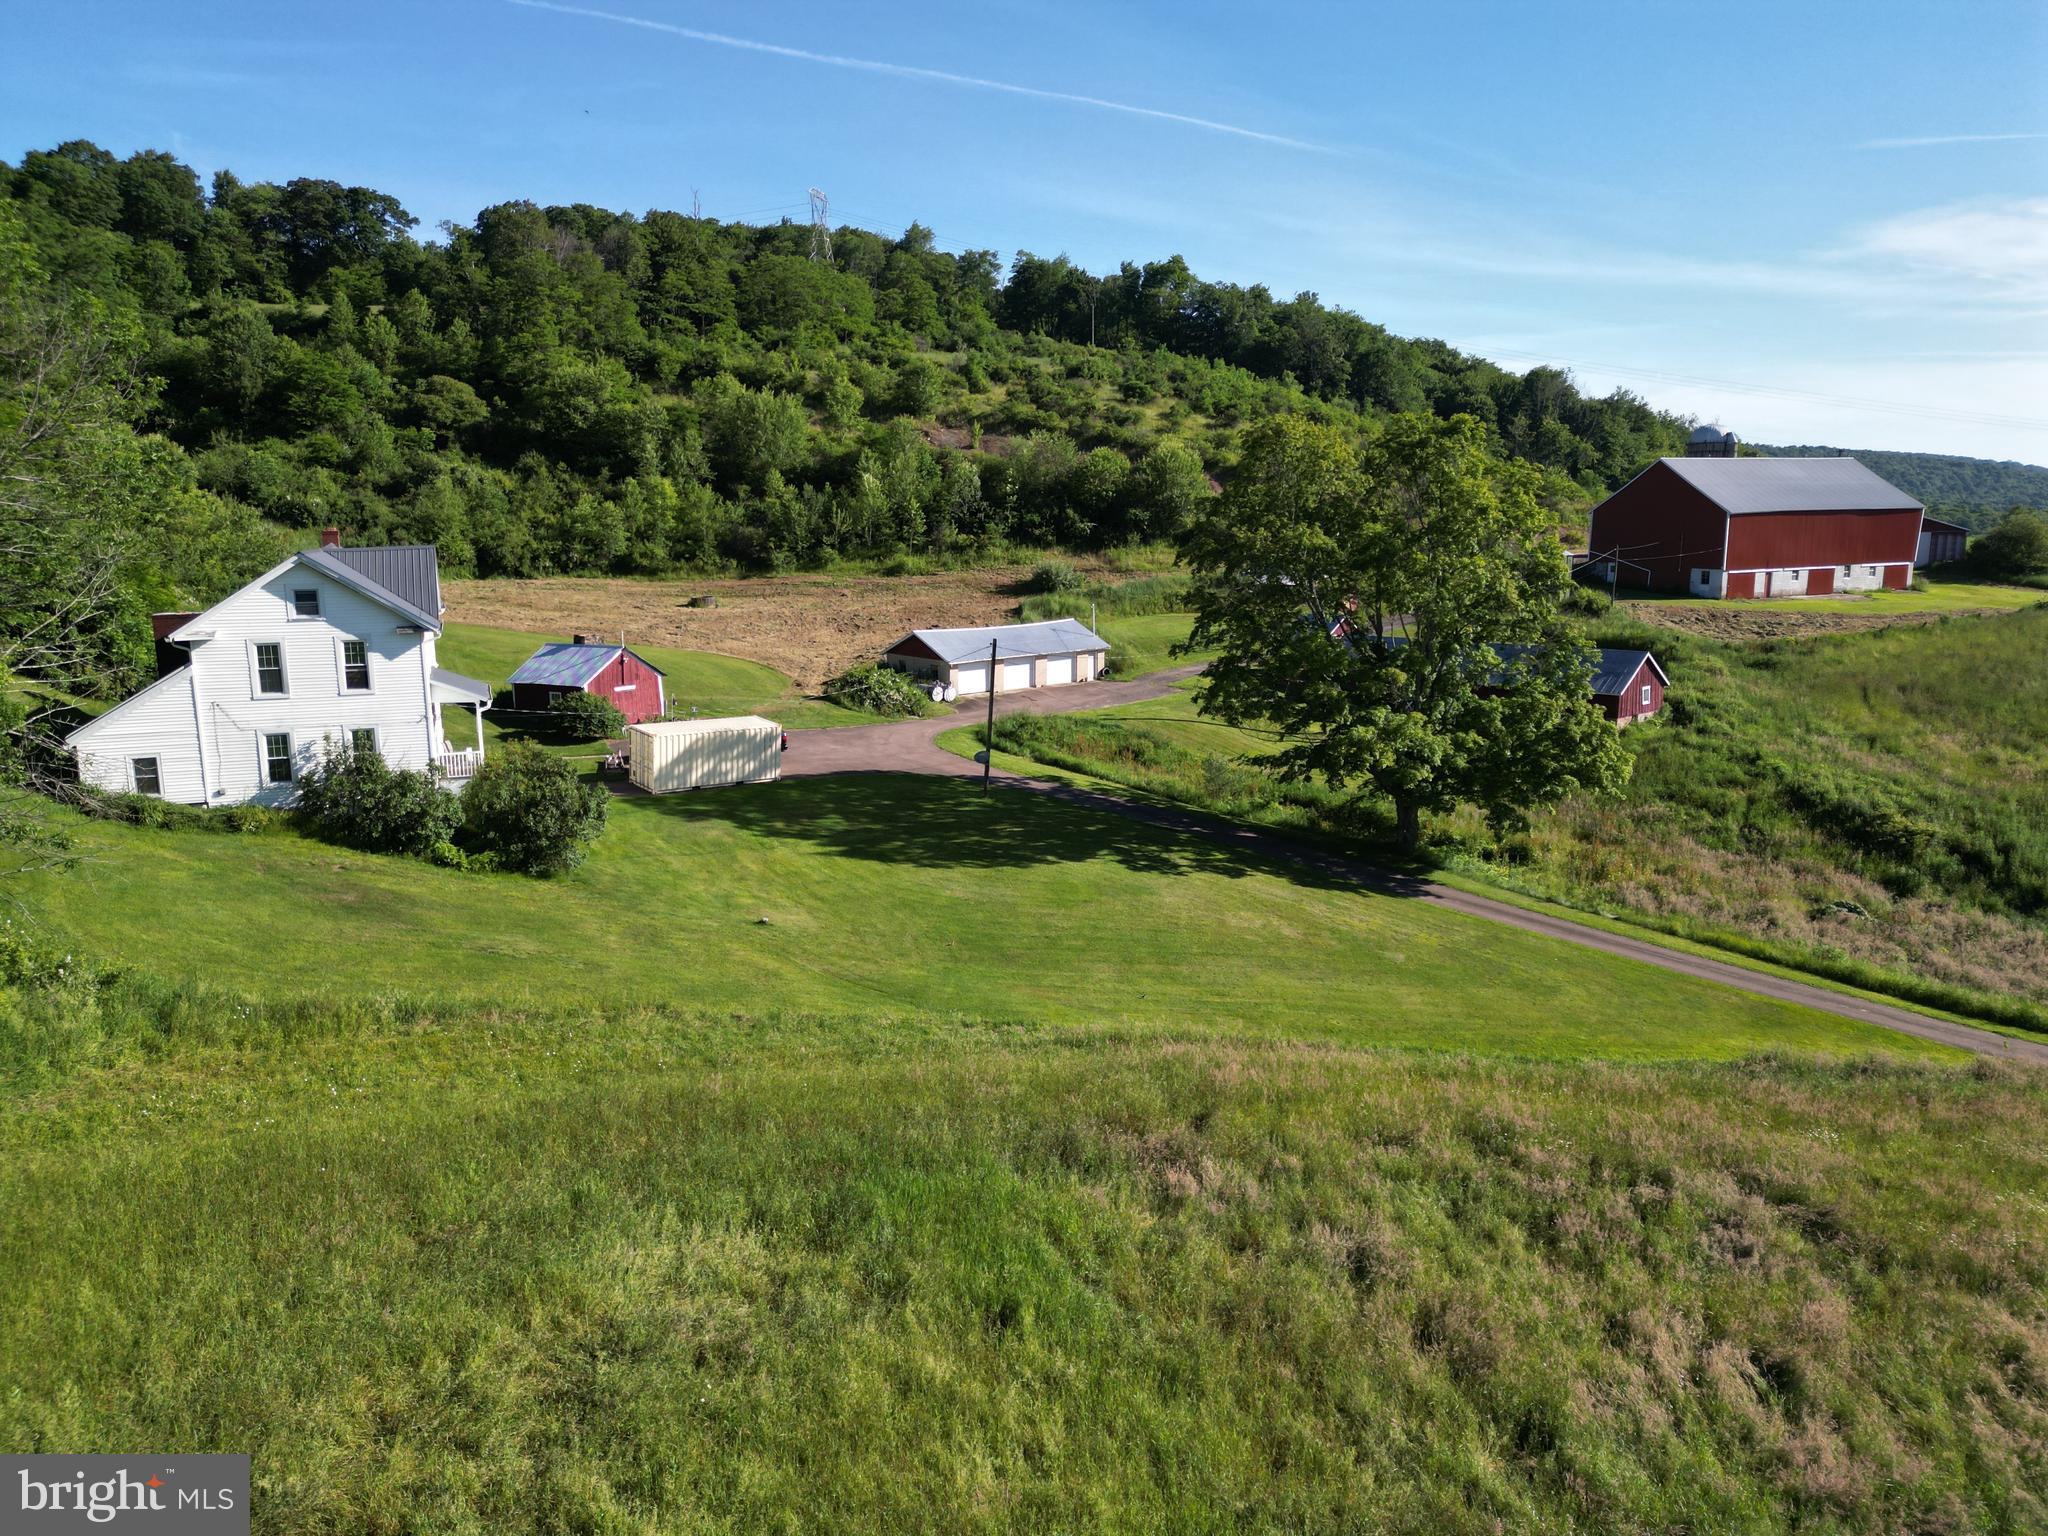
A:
821	227
988	758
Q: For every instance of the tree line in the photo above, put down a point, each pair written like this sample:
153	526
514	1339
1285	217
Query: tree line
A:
573	389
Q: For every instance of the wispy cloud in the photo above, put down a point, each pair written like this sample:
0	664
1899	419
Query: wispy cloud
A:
915	72
1998	248
1948	138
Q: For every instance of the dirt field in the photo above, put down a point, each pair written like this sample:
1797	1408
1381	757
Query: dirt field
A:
808	626
1731	622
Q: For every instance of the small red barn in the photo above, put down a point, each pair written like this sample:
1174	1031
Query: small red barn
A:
613	672
1760	527
1628	685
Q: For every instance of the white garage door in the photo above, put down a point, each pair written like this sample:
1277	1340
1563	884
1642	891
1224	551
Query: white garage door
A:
971	679
1016	674
1059	669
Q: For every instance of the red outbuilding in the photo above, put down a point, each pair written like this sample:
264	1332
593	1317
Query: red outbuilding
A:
1757	527
586	666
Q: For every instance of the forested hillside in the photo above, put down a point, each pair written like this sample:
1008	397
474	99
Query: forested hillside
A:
1973	492
571	389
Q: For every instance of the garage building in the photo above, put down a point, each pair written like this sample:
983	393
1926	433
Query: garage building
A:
1044	655
1756	527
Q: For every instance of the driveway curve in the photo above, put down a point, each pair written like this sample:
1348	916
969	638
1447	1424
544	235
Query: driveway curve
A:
911	746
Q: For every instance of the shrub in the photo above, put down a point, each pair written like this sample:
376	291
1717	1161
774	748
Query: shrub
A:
879	691
585	717
1055	576
529	812
358	800
2016	548
1589	601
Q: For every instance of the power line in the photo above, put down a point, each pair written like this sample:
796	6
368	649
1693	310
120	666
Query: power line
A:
821	227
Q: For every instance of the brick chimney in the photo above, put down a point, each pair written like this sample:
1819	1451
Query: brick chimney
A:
169	655
330	538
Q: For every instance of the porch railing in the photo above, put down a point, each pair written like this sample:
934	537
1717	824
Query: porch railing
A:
459	765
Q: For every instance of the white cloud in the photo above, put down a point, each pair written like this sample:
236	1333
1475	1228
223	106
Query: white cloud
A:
1948	138
916	72
1996	250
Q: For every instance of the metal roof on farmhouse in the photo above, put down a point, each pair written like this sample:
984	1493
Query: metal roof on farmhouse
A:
1052	637
563	664
1790	485
404	577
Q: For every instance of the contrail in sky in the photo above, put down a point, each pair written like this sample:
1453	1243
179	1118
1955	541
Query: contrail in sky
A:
913	72
1943	138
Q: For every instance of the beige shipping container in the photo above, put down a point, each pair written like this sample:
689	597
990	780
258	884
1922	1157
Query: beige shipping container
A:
668	755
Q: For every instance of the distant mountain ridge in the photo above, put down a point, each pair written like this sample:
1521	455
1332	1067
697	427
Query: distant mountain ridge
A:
1973	492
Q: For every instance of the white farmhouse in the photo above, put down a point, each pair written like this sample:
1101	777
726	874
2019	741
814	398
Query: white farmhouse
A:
334	645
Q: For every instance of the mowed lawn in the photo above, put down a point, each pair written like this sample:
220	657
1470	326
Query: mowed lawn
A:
883	894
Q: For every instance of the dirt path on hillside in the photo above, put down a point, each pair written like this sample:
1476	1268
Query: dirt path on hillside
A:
807	626
910	746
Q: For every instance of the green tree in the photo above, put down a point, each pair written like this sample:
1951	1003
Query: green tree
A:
1357	600
2015	549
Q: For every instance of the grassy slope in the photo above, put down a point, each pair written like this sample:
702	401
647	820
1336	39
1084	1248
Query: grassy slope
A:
899	895
628	1272
1940	723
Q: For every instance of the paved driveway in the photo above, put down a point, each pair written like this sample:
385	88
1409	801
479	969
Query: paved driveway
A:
908	746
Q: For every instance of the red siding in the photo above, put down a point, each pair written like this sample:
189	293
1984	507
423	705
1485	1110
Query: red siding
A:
1899	577
632	685
1742	584
1798	540
642	701
1659	521
1820	581
1625	707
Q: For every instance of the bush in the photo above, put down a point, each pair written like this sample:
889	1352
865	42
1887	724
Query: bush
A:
585	717
879	691
1055	576
1589	601
529	812
2015	549
358	800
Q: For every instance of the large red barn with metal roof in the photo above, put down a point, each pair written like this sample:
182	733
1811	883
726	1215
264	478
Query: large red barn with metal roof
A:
1756	527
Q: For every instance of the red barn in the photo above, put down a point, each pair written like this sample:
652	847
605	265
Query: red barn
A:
1721	527
584	666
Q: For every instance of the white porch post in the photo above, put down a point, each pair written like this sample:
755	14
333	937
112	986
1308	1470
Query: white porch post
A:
478	711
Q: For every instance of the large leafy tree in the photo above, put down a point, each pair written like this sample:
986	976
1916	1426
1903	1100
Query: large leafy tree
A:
1361	600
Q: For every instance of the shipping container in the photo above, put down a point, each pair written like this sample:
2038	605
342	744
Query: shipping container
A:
669	755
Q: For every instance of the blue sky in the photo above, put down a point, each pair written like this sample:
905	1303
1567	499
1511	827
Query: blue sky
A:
1815	222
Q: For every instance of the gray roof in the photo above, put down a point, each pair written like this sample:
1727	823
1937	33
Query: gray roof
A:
561	664
406	573
475	687
1611	673
1053	637
1790	485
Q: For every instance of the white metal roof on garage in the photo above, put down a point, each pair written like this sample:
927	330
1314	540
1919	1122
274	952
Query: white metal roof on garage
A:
1013	642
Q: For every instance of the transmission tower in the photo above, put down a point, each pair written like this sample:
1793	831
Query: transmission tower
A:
821	228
